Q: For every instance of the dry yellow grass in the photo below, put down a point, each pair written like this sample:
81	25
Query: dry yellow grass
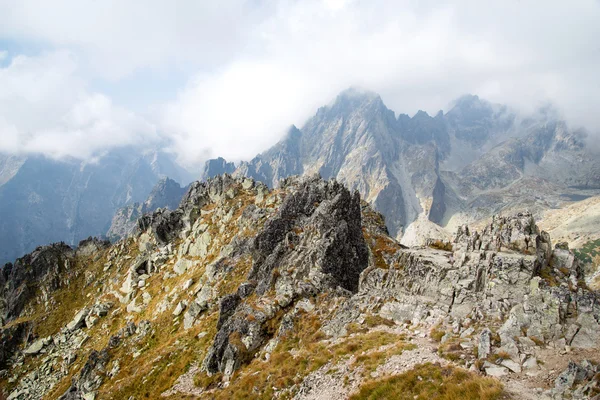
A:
431	382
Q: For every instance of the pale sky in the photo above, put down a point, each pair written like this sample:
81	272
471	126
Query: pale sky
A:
226	78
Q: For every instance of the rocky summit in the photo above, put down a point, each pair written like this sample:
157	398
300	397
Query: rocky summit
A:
430	174
298	292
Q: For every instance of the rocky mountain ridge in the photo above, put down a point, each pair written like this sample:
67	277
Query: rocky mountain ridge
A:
296	292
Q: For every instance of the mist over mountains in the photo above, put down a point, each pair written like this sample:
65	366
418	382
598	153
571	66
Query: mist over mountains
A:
475	160
469	163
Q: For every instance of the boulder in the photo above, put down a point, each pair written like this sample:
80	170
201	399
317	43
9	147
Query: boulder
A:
78	321
496	371
35	347
485	344
588	335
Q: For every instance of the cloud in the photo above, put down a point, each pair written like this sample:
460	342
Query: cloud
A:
45	107
416	55
255	67
116	38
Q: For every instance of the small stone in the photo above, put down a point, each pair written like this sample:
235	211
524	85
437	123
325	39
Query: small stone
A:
78	321
531	364
447	336
496	371
511	365
179	308
180	266
527	342
485	344
567	349
89	396
35	347
201	334
467	332
187	284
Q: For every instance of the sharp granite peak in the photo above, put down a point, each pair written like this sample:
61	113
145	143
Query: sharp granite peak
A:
297	292
455	167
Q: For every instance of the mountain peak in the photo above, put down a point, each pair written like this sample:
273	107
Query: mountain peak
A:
469	103
355	97
217	166
422	115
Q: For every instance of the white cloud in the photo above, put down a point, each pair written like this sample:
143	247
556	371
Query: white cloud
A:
3	55
117	37
46	108
260	66
416	57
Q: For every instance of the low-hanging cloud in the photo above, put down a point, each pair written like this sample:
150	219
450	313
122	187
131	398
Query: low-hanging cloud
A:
256	67
46	108
416	56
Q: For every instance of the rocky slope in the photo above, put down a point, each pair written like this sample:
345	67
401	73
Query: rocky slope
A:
297	292
44	201
167	193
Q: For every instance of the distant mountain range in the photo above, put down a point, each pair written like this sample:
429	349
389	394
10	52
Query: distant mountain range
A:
44	200
426	174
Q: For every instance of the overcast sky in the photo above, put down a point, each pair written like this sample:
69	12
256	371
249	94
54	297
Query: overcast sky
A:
225	78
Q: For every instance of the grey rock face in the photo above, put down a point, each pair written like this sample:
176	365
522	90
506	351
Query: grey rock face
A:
331	209
10	339
44	267
312	243
354	140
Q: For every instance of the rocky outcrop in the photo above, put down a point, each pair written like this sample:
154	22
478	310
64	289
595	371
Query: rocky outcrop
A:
166	194
312	244
217	166
337	248
41	269
90	378
507	272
